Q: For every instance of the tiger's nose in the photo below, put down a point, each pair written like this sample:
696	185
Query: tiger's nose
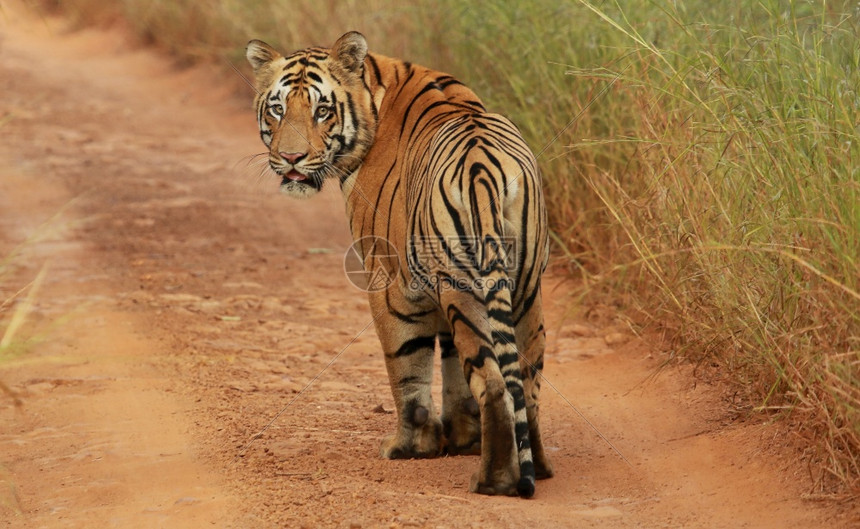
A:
293	157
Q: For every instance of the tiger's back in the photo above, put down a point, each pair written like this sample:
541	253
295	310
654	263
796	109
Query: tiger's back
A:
456	192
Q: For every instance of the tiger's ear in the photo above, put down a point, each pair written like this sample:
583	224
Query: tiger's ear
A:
350	51
260	54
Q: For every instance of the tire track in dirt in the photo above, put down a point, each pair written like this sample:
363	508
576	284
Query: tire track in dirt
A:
240	293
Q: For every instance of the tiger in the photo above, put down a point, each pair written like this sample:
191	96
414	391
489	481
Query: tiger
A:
457	193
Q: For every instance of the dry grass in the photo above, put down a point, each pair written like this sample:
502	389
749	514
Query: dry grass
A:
13	313
700	160
17	300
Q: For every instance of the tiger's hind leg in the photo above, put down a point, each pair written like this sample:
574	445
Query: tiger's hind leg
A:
461	416
531	337
409	349
499	471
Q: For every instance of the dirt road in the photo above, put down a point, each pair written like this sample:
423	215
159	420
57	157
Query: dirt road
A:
188	307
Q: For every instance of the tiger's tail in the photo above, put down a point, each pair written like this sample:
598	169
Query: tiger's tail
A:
497	294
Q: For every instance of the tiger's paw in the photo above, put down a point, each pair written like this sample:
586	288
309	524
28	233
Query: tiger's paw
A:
543	468
463	429
504	487
420	439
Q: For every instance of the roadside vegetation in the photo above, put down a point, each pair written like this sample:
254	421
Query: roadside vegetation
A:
701	162
15	306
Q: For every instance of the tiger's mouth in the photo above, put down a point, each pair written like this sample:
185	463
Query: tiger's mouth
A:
294	176
295	181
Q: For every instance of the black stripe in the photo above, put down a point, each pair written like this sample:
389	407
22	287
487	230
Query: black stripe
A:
407	380
503	337
500	315
527	469
446	344
529	301
484	354
522	433
506	359
537	367
455	316
412	346
376	72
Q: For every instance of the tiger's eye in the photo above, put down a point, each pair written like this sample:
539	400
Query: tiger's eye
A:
322	113
277	110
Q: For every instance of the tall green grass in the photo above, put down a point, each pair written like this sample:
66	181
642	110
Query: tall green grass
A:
701	162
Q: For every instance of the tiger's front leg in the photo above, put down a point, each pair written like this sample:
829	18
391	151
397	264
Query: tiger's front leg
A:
409	349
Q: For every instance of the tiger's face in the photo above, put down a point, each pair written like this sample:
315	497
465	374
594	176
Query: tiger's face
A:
315	111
